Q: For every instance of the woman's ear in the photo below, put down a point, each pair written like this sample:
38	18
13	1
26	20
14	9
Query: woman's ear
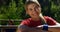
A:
26	12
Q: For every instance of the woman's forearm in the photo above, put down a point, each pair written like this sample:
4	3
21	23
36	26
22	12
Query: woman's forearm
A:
35	30
28	29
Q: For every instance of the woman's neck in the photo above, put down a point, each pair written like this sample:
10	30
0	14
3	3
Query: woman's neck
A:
36	19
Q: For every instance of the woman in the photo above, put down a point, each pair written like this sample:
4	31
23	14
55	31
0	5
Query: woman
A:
33	9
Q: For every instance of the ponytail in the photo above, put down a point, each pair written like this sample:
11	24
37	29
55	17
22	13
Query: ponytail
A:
42	18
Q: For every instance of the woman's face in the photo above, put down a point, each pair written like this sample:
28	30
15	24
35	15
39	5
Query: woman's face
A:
33	10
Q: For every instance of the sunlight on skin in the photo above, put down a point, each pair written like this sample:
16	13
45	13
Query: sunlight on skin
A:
58	25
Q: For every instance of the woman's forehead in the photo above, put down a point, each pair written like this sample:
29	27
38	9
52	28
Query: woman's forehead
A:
32	5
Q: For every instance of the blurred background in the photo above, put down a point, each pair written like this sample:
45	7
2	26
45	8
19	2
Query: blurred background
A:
12	11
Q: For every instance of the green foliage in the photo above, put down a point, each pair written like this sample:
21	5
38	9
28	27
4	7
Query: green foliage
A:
14	9
20	10
55	11
11	9
51	8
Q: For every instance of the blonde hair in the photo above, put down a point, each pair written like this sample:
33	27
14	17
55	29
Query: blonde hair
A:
30	2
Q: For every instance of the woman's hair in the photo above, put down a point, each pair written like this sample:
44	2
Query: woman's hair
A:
31	2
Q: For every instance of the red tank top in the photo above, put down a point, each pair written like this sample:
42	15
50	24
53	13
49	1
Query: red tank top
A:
30	23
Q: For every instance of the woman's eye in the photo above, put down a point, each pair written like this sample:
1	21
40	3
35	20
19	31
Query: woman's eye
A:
31	9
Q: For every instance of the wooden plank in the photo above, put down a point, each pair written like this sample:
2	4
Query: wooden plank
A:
56	29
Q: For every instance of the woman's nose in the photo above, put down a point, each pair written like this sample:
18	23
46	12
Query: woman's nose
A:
35	9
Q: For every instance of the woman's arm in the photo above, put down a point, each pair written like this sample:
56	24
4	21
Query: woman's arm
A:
23	28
